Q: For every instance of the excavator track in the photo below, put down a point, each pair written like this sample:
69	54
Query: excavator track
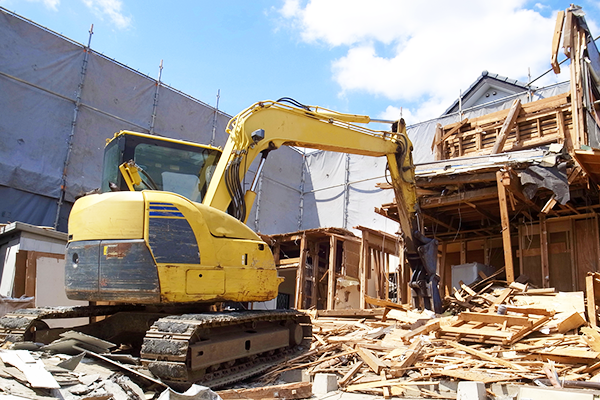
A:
217	349
214	348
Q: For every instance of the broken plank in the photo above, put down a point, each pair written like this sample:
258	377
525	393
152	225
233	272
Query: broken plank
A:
387	304
591	337
512	320
387	392
528	310
296	390
573	321
408	358
484	356
423	330
477	376
389	382
372	313
350	374
374	362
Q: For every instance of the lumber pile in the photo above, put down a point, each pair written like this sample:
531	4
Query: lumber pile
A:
512	337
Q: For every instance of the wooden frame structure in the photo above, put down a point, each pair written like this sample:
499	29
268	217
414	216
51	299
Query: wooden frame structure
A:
332	269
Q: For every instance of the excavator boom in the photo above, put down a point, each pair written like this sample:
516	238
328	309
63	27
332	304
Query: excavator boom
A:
268	125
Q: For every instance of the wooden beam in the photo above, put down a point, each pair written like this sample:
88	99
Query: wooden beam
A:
314	255
350	374
506	240
462	197
408	359
444	273
509	123
464	179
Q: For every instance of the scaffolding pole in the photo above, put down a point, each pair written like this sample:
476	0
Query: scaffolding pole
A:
155	105
63	180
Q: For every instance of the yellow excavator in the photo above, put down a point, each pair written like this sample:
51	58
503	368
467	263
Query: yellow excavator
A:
166	239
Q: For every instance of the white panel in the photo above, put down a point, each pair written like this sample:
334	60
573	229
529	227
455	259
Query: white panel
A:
49	290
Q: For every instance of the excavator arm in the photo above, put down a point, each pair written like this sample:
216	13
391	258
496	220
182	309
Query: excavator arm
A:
268	125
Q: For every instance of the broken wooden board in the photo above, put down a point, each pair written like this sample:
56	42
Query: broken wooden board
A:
297	390
374	362
489	328
488	376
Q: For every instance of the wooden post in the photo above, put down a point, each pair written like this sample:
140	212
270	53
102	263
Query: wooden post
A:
544	252
376	266
386	287
299	301
463	252
438	144
486	251
364	264
331	278
591	288
444	272
560	17
576	91
314	255
506	242
573	249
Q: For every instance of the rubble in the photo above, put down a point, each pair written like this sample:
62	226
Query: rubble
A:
499	336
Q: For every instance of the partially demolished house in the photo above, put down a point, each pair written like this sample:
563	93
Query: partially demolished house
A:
515	188
518	188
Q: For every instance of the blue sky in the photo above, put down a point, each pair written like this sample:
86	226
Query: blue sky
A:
338	54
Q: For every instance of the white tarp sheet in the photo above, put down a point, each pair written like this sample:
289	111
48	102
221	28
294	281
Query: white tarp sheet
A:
40	73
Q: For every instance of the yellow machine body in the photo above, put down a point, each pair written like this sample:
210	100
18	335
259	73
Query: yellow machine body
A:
159	247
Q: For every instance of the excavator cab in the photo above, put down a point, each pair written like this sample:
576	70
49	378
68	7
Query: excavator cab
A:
162	164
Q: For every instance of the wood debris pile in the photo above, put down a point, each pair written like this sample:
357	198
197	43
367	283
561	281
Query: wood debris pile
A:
512	337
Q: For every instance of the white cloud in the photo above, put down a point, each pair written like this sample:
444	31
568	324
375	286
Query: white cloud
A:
424	53
110	8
